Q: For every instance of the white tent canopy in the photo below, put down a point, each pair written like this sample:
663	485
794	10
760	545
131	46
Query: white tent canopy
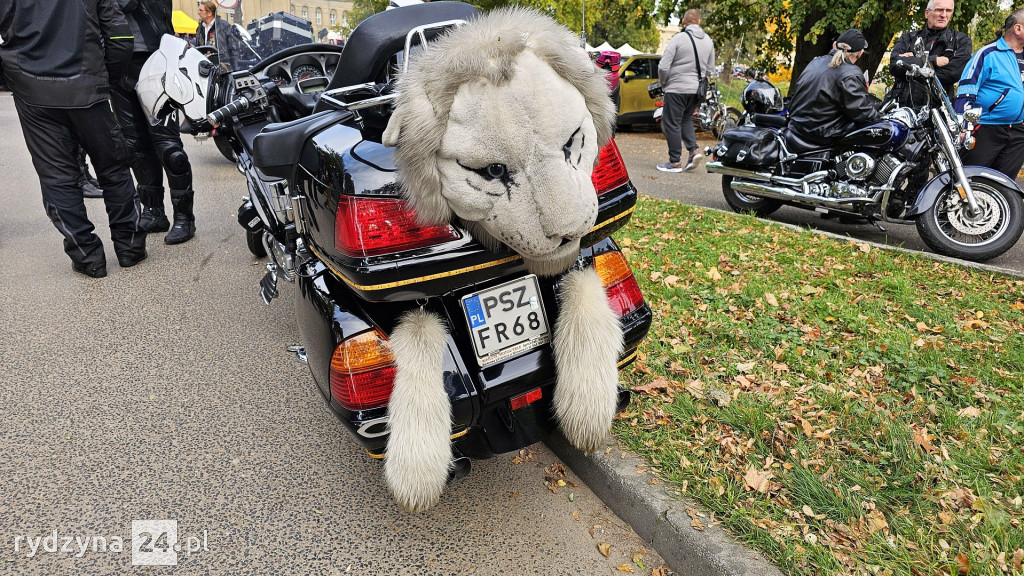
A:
604	47
626	50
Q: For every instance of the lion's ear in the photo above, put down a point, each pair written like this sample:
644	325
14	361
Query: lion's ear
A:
413	109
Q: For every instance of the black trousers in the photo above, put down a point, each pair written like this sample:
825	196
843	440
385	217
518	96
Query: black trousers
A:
152	150
999	147
52	136
677	124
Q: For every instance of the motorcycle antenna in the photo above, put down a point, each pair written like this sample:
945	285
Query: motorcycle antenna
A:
583	24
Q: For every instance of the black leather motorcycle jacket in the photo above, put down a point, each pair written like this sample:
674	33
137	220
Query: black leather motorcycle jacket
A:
149	20
60	54
949	43
827	103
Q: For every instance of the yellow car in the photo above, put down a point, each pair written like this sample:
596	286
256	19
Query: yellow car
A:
635	105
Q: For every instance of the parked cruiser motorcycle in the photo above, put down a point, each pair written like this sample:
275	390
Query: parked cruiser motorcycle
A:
904	170
306	125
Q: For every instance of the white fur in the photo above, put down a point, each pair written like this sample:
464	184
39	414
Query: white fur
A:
587	344
419	453
511	88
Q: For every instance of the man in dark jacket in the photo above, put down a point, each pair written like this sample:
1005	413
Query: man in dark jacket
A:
948	53
214	31
57	60
831	98
153	150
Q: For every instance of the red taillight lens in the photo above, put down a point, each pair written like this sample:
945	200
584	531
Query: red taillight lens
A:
375	226
610	172
619	284
363	371
524	399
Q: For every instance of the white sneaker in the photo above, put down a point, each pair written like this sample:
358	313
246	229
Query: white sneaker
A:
670	167
694	157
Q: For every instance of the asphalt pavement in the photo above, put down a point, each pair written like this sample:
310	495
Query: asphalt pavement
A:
165	392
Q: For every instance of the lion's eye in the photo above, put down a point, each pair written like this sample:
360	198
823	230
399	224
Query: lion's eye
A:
494	171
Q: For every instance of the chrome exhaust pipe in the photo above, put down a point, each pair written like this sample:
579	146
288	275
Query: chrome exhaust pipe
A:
719	168
787	194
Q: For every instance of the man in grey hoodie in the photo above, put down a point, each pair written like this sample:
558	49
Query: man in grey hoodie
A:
677	72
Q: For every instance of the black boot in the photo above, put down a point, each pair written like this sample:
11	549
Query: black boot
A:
153	218
184	227
90	187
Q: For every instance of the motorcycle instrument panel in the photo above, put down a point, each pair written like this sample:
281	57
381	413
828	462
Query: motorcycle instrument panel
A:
506	320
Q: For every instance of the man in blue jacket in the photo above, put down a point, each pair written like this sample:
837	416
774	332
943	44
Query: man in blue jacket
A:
58	56
993	82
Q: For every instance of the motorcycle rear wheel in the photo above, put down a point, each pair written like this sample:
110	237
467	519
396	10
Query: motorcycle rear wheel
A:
724	121
948	229
742	203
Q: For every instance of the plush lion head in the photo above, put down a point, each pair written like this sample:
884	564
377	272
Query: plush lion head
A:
499	123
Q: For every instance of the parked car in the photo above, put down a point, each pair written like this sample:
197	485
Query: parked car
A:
636	106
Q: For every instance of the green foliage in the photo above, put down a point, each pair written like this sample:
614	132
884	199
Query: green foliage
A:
361	10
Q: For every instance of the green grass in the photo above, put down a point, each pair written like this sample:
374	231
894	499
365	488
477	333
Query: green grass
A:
843	409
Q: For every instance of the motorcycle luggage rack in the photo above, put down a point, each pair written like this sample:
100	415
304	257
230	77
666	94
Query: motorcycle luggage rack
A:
418	33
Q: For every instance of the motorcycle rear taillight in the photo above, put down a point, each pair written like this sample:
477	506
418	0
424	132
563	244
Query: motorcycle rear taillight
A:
610	172
375	226
362	371
623	292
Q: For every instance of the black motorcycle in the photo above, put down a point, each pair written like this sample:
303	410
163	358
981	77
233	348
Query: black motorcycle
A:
305	126
902	170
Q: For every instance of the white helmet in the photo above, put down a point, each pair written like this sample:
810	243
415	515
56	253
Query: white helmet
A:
175	77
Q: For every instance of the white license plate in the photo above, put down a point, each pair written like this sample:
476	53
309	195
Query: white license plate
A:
506	320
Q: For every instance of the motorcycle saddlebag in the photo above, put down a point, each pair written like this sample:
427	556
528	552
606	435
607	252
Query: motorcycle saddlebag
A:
748	146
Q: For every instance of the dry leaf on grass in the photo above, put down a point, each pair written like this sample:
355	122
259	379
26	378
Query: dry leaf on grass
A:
969	412
757	480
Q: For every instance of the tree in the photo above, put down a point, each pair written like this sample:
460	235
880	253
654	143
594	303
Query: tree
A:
806	29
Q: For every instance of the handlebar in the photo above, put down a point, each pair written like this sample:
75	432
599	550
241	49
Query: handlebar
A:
230	109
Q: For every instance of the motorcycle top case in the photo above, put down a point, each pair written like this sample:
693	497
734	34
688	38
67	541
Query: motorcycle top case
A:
749	146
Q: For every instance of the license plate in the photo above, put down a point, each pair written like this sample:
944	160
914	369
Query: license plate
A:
506	320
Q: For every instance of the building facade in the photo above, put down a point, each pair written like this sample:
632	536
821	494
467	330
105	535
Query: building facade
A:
324	14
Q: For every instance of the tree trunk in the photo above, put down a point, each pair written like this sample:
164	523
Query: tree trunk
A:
877	35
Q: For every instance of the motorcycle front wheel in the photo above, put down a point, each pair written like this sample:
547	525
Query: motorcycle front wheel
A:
742	203
224	146
948	228
724	121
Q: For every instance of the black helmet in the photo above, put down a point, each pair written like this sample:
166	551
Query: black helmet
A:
760	97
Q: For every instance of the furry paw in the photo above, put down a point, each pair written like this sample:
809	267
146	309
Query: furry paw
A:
419	453
587	344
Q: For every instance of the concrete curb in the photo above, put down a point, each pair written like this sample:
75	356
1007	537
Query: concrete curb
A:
658	517
661	518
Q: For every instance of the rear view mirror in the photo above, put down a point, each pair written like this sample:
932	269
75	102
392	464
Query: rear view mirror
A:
628	75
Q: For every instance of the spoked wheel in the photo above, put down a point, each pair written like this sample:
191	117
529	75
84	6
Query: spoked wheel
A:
743	203
948	228
724	121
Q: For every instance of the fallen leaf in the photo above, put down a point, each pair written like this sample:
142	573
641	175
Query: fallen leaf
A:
659	384
877	523
969	412
1018	559
865	248
770	299
922	439
624	568
746	366
714	274
695	522
604	548
757	480
963	564
671	281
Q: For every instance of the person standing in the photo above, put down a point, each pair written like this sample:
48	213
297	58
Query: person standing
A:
830	98
948	53
58	57
153	150
213	32
993	82
677	71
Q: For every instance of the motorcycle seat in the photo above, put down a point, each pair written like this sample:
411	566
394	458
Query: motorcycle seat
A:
378	38
770	120
798	145
276	149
